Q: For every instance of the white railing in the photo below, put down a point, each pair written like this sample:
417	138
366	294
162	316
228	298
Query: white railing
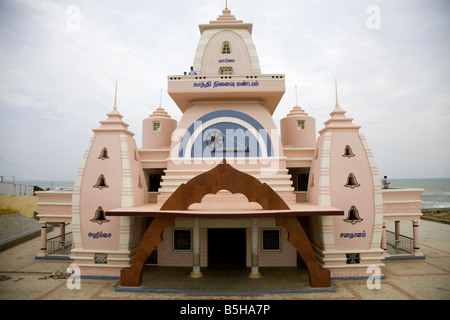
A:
402	246
56	246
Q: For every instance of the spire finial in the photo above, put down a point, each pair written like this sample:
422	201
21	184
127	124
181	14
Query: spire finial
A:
160	98
335	85
296	96
226	4
115	98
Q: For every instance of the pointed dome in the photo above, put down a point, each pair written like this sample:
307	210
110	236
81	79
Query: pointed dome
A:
114	121
297	111
338	118
160	113
226	17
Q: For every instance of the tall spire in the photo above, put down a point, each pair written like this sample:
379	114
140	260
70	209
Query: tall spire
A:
115	98
335	85
226	4
296	96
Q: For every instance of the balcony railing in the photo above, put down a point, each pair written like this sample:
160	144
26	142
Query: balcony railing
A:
57	246
402	246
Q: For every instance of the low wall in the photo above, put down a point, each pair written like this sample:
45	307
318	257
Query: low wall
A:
16	190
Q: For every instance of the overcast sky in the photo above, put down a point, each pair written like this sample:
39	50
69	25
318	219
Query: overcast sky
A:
59	61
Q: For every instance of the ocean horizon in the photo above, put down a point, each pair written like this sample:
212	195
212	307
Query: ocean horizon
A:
436	192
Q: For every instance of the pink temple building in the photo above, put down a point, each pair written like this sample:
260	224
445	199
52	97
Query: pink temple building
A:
223	185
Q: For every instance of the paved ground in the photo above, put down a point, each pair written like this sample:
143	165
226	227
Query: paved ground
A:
24	278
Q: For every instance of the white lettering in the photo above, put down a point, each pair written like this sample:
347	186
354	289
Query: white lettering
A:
374	21
374	280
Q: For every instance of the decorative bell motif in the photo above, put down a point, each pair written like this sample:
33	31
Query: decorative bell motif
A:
99	216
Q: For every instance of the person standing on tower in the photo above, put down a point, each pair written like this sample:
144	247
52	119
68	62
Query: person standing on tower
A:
385	183
192	72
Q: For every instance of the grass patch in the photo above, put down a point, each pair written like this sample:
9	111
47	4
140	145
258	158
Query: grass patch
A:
8	211
439	215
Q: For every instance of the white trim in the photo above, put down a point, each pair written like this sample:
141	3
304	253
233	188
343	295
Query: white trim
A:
299	159
299	149
54	204
403	201
403	214
243	170
103	265
402	190
153	161
154	150
55	216
229	160
102	251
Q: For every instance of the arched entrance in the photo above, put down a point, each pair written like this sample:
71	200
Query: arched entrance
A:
224	176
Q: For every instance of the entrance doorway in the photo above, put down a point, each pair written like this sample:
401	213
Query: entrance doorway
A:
227	249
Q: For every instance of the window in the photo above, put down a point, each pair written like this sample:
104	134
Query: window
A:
348	152
156	126
99	216
351	181
226	48
182	240
101	182
104	154
300	124
226	70
271	240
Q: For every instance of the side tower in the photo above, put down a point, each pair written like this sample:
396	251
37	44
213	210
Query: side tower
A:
157	130
344	175
298	137
110	176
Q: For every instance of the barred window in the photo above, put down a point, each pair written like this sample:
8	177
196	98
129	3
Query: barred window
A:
226	48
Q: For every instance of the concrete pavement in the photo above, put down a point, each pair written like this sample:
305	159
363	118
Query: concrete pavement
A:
22	277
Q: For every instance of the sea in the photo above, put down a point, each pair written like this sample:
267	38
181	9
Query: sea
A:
436	192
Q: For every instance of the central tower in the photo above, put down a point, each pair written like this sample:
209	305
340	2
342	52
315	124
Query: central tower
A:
227	108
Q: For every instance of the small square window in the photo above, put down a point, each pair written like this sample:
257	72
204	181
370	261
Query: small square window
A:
226	70
182	240
101	258
300	124
156	126
271	240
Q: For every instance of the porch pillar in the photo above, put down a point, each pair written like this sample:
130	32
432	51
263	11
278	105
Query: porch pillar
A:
196	273
254	274
62	231
43	251
416	242
397	233
383	237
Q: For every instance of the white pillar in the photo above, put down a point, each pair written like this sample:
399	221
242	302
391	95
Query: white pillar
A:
383	237
43	251
255	267
397	233
62	231
196	273
416	242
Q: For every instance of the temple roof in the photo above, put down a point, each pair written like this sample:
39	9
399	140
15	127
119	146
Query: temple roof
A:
160	113
297	111
226	20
